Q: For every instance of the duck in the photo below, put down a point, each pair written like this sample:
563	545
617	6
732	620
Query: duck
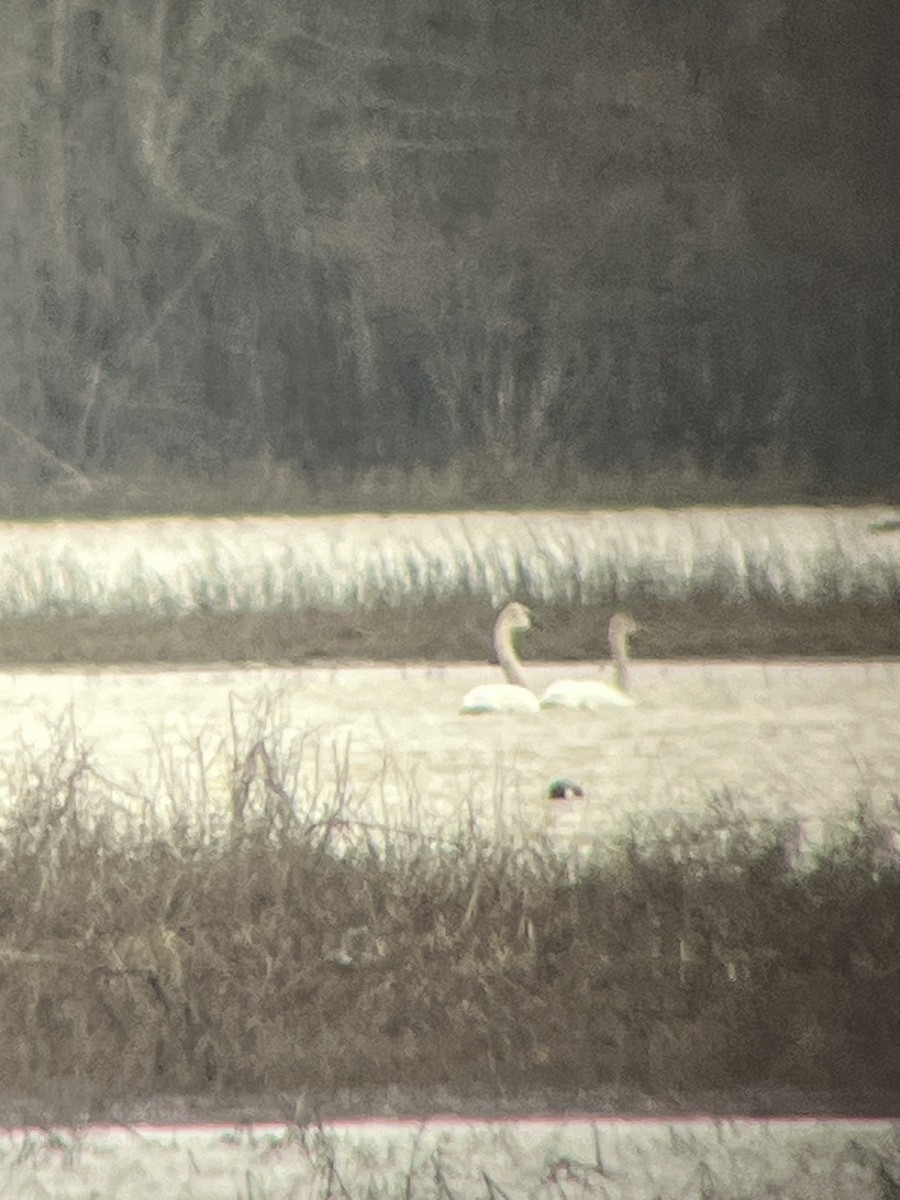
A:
565	789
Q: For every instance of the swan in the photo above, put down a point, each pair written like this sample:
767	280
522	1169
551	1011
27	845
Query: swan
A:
594	693
514	695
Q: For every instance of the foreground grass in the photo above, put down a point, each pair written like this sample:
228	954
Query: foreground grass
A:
284	956
459	629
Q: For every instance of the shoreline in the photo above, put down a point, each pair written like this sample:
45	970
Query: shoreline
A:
457	631
197	1113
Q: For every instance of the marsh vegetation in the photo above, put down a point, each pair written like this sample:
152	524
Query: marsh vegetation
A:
703	582
152	952
220	888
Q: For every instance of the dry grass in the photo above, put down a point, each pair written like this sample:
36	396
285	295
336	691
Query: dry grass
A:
730	582
153	956
361	561
703	582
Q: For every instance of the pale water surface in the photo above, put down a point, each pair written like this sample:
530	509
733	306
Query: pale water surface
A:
806	738
537	1159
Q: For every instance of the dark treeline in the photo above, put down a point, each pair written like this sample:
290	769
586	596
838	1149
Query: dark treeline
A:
603	234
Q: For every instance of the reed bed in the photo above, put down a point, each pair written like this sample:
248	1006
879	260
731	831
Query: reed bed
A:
289	947
169	567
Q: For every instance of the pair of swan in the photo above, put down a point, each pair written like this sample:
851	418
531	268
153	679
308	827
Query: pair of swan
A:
516	696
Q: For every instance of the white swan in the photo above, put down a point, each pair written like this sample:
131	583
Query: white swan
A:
514	695
594	693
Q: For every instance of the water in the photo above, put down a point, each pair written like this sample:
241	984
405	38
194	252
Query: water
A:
525	1160
803	738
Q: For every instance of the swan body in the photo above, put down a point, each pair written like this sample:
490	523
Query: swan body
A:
514	695
594	693
584	693
500	697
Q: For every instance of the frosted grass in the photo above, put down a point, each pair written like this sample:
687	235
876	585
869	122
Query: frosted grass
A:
526	1160
258	564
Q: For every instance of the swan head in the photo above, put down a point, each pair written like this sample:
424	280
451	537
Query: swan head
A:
622	625
565	789
515	616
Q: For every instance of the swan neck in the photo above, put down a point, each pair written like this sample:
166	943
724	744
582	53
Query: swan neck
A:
618	648
507	657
